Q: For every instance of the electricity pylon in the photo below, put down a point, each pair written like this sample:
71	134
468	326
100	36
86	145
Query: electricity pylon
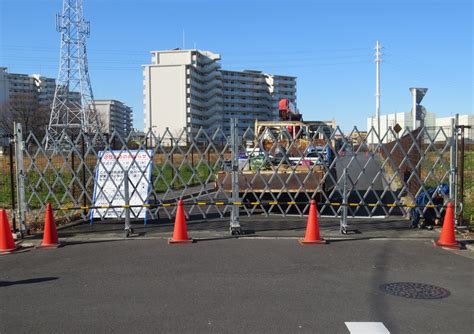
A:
72	109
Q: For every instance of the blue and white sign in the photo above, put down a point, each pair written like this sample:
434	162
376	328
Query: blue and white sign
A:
109	188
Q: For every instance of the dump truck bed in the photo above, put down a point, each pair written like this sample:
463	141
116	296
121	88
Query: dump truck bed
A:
269	181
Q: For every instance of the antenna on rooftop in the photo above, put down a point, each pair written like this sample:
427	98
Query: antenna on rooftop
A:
184	40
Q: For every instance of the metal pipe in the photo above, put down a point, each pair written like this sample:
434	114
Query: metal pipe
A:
234	218
127	201
73	167
343	226
12	183
461	173
83	153
455	170
452	162
414	109
20	175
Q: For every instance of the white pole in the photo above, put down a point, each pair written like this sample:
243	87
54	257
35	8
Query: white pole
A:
184	40
414	109
377	85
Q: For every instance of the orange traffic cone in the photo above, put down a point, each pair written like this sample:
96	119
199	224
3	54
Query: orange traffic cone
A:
447	239
7	244
312	236
50	236
180	233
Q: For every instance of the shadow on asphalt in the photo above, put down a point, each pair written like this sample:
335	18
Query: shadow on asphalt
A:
75	243
27	281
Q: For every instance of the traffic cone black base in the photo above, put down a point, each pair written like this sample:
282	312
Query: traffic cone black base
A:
59	244
171	241
457	245
315	242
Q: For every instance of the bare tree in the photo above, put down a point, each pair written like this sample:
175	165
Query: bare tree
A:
25	109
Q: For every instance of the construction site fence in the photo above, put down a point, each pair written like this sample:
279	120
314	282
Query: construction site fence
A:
268	203
275	171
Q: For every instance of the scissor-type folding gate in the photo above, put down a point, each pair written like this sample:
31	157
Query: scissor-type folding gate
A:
268	169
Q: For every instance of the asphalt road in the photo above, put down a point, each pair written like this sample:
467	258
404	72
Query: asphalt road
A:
232	286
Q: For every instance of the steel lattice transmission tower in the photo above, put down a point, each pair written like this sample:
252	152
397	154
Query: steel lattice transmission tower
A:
72	107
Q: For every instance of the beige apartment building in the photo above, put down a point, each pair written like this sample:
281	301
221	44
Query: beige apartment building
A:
115	116
187	89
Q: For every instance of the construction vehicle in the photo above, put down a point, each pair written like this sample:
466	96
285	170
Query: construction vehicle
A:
289	155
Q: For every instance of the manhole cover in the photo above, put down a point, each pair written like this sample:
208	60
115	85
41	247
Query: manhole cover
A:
414	290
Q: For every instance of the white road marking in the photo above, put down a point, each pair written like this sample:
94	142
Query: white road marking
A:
367	328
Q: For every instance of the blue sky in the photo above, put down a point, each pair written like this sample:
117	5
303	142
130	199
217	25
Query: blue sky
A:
328	45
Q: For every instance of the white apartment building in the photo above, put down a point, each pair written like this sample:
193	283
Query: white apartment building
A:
45	88
115	116
15	87
253	95
26	92
187	89
405	120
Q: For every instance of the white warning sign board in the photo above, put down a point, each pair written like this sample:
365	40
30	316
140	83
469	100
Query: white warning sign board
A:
109	188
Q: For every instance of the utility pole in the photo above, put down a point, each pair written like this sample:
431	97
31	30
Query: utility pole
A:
72	109
378	59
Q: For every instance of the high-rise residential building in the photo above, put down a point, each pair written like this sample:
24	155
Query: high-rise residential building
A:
45	90
252	95
26	98
16	88
35	93
19	89
114	116
187	89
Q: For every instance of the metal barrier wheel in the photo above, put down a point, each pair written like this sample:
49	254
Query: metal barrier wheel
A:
235	231
128	232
